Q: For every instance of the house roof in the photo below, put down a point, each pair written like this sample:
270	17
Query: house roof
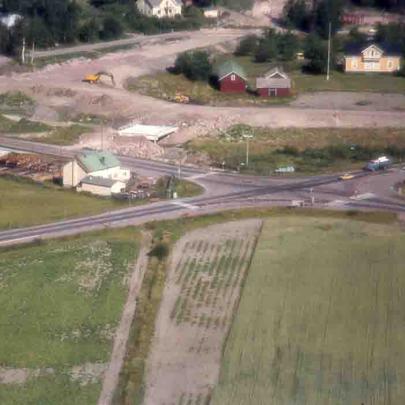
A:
99	181
228	67
275	79
157	3
276	73
93	161
387	48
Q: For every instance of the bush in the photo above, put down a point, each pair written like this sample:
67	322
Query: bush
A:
112	28
247	46
194	65
160	251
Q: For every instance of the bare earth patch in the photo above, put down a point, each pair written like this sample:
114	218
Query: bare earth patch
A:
201	292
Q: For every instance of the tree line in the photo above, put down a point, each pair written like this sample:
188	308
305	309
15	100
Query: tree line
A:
47	23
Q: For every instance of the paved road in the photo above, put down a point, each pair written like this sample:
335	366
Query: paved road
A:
222	191
136	39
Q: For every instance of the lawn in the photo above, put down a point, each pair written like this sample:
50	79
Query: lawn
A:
61	302
22	203
339	81
310	151
166	85
320	320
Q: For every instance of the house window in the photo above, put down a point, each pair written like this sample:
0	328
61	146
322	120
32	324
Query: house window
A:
390	64
273	92
233	78
355	65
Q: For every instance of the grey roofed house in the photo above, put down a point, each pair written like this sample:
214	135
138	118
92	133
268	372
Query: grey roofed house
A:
275	78
98	181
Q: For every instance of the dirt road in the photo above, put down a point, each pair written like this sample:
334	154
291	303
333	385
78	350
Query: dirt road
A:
111	375
59	87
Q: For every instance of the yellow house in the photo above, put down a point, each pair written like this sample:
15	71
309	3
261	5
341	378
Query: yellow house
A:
372	58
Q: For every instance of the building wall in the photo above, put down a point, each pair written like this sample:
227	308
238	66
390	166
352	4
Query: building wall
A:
279	92
100	190
232	84
72	170
94	189
115	173
167	8
384	64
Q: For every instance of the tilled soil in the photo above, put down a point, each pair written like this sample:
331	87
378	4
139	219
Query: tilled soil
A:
199	299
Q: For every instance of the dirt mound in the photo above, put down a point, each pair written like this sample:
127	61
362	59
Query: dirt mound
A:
137	147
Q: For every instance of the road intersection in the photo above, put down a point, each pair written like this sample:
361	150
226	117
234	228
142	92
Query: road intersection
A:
223	191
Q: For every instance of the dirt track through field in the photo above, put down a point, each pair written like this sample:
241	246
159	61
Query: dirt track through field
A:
201	292
111	375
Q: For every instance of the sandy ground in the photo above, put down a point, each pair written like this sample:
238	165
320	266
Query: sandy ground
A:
58	88
111	376
185	357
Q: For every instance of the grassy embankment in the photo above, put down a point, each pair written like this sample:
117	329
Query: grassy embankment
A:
320	317
165	234
15	110
25	203
310	151
61	302
165	85
22	202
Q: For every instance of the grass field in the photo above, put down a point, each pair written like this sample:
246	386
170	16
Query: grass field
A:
165	85
320	317
61	302
22	203
318	150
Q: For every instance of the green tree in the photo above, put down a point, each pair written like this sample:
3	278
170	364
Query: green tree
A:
112	28
316	52
266	50
194	65
287	46
296	14
247	46
328	11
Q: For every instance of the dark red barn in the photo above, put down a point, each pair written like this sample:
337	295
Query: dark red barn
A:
231	77
274	83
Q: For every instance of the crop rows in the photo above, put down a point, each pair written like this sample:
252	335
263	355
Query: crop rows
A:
208	274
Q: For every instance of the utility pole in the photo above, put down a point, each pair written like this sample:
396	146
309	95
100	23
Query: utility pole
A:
32	52
247	137
328	67
23	51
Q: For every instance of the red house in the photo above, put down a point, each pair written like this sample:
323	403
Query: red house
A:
274	83
231	77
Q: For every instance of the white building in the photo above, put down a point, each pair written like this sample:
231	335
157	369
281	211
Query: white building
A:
10	20
94	164
160	8
101	186
211	12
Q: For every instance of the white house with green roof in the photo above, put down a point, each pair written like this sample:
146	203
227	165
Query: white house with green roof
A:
94	164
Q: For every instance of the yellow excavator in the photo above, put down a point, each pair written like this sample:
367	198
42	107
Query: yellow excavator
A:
94	78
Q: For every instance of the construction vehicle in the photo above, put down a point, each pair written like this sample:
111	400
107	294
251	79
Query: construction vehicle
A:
94	78
181	98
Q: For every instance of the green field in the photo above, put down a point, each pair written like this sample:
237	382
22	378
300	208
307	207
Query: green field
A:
23	203
313	150
320	319
61	302
166	85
